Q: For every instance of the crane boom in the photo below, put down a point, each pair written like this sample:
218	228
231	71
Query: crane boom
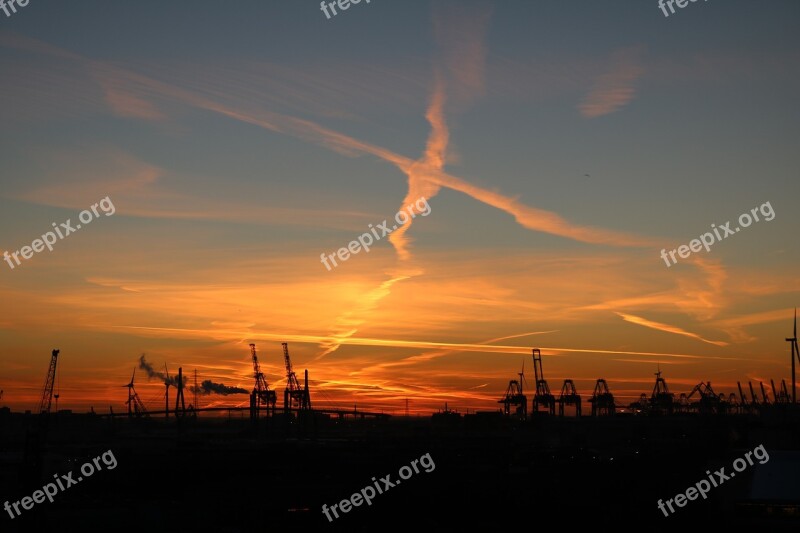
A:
291	378
261	395
49	382
294	396
261	382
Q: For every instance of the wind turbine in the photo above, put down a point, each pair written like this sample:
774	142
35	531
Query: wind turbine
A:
133	398
795	352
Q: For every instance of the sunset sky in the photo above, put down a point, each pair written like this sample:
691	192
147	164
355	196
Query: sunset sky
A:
560	145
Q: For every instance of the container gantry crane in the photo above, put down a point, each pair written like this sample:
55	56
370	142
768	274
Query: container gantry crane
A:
569	396
543	396
515	397
661	400
602	400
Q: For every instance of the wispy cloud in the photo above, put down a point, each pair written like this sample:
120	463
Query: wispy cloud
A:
460	29
126	104
667	328
429	174
615	88
347	323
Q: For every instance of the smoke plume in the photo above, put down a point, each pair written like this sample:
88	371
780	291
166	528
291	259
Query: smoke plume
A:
152	373
209	387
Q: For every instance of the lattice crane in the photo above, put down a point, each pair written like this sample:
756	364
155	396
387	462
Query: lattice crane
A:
294	397
261	395
49	382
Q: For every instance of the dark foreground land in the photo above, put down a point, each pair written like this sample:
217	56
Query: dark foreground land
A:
225	475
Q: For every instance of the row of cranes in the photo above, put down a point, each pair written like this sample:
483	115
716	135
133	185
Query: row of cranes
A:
702	398
295	397
515	403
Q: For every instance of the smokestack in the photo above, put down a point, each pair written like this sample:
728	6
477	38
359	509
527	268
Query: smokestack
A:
306	396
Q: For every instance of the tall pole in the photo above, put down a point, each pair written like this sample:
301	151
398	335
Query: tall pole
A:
166	397
179	397
793	341
306	393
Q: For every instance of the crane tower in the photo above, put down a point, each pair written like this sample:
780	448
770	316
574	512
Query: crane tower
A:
49	382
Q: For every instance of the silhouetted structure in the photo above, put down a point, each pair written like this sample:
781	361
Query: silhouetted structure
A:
261	395
196	405
134	403
744	405
753	398
294	397
602	400
543	397
180	403
49	381
661	400
795	353
764	393
782	395
569	396
446	416
167	383
516	398
708	401
732	403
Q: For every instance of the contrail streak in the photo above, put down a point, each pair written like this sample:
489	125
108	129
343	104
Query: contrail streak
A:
364	341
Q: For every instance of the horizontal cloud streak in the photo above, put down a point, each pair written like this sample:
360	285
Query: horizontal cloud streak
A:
360	341
667	328
616	88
